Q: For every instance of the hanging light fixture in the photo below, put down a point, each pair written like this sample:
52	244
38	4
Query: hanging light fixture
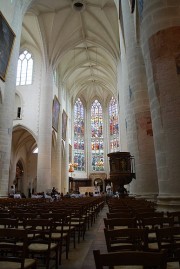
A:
71	167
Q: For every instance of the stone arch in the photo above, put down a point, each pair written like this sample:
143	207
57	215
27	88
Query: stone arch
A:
22	153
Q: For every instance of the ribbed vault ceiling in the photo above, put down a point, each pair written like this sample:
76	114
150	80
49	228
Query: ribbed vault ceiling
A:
82	44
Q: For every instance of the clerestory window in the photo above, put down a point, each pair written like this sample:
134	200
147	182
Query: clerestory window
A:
79	147
113	125
24	69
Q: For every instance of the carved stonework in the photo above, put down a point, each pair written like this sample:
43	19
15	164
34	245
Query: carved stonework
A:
94	176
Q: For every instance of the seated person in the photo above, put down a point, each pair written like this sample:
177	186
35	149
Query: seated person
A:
53	192
67	195
12	192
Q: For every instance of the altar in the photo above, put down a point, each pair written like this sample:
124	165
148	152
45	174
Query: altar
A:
92	189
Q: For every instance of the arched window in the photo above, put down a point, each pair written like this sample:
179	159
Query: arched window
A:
79	157
24	69
97	137
113	125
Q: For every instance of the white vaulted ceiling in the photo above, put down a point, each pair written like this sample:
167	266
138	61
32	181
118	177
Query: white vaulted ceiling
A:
81	40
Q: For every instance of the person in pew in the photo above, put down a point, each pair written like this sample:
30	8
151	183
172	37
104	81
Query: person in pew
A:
12	192
53	192
67	195
122	191
23	195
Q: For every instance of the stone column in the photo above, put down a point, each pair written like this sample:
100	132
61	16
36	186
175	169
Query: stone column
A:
7	93
138	117
160	40
45	131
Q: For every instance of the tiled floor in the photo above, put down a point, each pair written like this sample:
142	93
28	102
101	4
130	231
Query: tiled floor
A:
82	256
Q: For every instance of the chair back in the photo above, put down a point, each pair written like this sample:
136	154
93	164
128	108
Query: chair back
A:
13	247
155	222
8	223
126	239
59	220
40	242
130	258
147	215
118	215
176	217
117	223
168	238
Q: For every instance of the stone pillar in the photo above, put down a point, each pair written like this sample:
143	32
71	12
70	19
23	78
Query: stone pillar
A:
165	56
138	117
160	40
7	93
45	131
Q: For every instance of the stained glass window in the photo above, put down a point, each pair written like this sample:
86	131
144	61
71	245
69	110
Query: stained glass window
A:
113	125
79	147
97	137
24	69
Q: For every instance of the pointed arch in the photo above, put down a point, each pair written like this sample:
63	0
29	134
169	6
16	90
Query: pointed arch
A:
24	143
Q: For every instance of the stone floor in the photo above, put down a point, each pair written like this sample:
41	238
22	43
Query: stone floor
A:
82	256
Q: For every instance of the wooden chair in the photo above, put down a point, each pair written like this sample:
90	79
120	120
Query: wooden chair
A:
22	216
40	243
89	214
116	209
93	211
79	222
61	230
119	215
13	250
169	239
116	205
8	223
120	223
144	215
68	227
143	210
176	217
152	224
126	239
5	215
131	258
